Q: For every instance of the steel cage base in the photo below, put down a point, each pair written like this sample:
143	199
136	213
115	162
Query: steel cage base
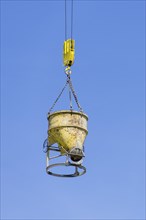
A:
79	168
75	174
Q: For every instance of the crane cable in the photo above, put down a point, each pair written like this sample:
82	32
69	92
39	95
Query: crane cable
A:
72	9
72	20
68	72
71	32
65	21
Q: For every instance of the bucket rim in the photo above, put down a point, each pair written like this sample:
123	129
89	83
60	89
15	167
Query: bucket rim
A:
68	111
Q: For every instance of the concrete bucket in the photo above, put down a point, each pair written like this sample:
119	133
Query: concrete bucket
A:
68	129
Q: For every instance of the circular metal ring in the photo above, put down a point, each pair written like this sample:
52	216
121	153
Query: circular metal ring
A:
68	71
66	175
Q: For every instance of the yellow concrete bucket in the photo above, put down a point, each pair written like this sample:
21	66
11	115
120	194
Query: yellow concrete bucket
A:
68	129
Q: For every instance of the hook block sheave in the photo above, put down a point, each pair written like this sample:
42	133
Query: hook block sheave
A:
69	52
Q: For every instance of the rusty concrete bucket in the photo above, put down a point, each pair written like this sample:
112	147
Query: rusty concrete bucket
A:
68	129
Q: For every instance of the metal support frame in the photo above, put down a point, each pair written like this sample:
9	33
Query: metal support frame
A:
79	168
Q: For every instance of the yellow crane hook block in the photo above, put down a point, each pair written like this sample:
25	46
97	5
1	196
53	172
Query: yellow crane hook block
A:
69	52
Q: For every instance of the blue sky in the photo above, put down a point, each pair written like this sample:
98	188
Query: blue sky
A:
108	76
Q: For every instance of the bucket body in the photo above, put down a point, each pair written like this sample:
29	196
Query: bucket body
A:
68	129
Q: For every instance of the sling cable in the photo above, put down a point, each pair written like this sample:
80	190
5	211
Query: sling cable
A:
67	129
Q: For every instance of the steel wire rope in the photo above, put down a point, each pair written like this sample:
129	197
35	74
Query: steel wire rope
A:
69	82
72	12
65	21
